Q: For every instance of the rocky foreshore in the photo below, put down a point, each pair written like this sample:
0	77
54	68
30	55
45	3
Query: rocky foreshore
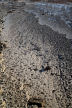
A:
35	62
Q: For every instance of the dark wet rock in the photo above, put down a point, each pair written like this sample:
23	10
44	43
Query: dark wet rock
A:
53	91
36	48
11	10
2	27
2	46
1	81
42	70
60	57
35	103
45	68
52	73
43	14
35	69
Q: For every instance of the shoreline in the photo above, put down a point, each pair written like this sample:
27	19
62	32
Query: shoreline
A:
31	45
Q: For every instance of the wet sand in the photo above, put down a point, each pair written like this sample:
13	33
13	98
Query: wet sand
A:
56	16
36	64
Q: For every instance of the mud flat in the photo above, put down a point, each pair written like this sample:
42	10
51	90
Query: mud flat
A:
37	65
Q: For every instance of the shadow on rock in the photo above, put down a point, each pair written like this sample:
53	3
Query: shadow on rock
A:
2	46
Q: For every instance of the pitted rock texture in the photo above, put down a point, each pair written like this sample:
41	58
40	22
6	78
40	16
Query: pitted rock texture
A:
36	71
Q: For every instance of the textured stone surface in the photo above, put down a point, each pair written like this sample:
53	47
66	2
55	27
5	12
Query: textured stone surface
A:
29	48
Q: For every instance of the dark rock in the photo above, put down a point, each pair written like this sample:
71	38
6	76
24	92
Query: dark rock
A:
52	73
35	69
2	46
35	103
53	91
60	57
42	13
45	69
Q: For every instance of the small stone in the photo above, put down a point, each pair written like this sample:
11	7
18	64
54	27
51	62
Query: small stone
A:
60	57
45	68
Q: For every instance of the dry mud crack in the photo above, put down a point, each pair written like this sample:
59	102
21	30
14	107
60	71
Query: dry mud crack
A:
36	71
